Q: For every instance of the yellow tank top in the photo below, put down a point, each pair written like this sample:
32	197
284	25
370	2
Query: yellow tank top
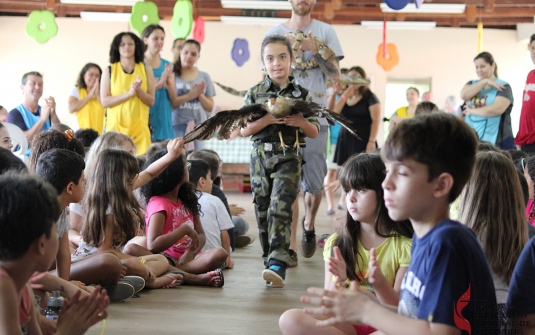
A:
130	117
402	113
91	115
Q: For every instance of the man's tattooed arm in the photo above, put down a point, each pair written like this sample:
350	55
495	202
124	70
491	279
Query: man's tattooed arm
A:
330	68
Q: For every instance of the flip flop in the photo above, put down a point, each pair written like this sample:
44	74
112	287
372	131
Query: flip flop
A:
210	273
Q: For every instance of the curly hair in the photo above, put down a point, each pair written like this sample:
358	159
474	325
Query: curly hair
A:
51	139
366	172
109	193
80	82
174	175
115	56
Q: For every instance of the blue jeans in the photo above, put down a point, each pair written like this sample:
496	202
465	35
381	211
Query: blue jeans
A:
179	130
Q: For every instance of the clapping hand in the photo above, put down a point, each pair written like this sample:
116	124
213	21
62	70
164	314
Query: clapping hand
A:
136	85
78	314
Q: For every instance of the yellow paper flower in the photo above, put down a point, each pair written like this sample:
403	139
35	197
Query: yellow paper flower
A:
41	25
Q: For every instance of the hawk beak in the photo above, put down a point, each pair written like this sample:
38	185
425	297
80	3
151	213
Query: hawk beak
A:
272	100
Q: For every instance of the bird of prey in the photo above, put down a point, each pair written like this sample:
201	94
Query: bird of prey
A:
277	106
345	79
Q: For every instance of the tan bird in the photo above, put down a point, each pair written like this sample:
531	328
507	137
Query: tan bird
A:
278	107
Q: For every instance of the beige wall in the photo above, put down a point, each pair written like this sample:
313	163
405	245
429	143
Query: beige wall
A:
445	54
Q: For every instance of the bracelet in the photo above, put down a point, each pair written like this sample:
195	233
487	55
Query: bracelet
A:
343	97
344	284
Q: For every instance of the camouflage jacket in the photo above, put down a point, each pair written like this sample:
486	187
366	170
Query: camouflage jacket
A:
259	93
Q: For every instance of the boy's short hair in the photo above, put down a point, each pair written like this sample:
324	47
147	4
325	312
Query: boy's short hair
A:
8	161
426	107
87	136
441	141
28	209
209	158
60	167
198	169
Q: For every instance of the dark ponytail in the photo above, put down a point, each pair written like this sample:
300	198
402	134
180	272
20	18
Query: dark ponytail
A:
177	67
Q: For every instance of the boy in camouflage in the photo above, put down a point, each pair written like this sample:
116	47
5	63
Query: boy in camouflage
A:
275	172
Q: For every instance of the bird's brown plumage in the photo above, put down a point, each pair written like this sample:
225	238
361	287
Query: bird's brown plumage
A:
228	121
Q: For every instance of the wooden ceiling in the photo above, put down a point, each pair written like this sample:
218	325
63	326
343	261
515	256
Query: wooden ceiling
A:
503	14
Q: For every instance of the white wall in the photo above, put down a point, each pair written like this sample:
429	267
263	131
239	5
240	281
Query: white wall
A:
445	54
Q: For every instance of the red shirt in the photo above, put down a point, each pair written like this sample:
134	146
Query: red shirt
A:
526	133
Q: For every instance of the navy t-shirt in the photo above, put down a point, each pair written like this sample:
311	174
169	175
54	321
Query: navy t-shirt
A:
521	299
448	280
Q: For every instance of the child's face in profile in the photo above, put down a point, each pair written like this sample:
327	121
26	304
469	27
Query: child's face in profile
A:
362	205
207	185
5	139
3	114
78	190
407	192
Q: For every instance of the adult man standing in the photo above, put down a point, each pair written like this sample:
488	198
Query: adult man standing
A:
525	139
315	80
29	116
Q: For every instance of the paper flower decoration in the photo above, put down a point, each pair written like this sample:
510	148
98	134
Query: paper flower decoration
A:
391	57
182	19
397	4
240	51
198	31
41	25
144	14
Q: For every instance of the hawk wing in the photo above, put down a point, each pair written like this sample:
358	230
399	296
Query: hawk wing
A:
226	122
311	108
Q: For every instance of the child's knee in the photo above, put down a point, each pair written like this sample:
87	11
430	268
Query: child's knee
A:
289	320
110	266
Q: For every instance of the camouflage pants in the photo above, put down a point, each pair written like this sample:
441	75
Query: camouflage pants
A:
274	181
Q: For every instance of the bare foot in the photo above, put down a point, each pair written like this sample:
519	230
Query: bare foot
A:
168	280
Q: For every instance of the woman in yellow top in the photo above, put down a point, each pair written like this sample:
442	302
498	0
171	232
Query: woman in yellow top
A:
127	90
406	112
84	101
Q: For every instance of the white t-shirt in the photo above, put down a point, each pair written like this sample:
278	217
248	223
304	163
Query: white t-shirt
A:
64	223
214	219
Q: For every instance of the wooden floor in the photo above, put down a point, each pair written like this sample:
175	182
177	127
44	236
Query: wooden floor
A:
244	306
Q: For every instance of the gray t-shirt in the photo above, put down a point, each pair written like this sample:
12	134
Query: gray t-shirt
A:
314	79
64	223
192	110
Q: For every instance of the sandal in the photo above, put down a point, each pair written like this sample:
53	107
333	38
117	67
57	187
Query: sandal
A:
178	272
214	274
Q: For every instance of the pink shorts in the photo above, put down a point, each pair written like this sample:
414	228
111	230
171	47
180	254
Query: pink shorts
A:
364	329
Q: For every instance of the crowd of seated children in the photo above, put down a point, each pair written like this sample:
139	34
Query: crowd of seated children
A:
173	228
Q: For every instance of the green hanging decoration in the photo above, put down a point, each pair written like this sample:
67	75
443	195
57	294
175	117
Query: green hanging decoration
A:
182	20
144	14
41	25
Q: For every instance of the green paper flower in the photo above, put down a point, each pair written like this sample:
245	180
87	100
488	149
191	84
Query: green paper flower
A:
41	25
144	14
182	20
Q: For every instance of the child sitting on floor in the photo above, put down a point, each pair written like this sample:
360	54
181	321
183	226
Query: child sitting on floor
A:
113	217
28	243
173	227
214	218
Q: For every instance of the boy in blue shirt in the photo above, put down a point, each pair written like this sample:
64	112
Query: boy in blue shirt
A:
448	287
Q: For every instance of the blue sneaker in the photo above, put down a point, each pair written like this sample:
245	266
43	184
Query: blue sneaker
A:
275	274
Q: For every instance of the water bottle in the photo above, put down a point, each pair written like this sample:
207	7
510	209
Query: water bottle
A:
53	306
